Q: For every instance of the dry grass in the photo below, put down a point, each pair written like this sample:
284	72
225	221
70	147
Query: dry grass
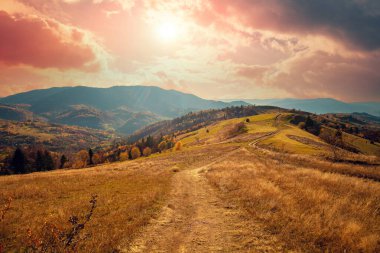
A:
353	165
309	210
129	194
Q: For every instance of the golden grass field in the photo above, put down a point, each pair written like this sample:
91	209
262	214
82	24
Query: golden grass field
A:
270	189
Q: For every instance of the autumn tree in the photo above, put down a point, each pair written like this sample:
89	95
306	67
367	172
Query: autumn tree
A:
81	159
135	153
162	146
147	151
124	156
335	139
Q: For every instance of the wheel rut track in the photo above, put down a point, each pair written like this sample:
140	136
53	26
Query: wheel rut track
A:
196	219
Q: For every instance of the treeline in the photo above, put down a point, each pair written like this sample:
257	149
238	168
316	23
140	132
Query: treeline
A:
319	126
30	159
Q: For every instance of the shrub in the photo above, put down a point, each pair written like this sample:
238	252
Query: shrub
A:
135	153
239	128
178	146
302	125
147	151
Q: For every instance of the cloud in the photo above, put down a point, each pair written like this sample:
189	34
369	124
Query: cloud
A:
352	22
253	72
320	74
240	48
40	43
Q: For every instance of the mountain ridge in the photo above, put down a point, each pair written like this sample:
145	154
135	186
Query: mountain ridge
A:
116	108
318	105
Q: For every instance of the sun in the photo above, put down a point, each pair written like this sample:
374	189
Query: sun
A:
167	31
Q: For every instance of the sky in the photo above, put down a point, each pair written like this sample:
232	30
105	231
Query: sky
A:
216	49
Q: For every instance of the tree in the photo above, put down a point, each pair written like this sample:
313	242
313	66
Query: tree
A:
48	161
147	151
39	162
19	162
162	146
309	122
335	139
90	155
62	161
81	159
135	153
124	156
150	141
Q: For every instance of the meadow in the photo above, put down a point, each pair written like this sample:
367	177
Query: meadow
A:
270	188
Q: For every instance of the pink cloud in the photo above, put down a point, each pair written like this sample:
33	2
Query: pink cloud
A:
320	74
35	42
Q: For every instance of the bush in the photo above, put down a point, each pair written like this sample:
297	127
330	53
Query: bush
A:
302	125
178	146
135	153
239	128
147	151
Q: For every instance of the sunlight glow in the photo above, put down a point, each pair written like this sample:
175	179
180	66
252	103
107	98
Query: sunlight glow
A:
167	31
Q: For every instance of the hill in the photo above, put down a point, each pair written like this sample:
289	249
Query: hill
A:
254	183
18	113
195	120
319	105
54	137
108	108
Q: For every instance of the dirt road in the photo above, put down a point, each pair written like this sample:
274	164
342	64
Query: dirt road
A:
195	219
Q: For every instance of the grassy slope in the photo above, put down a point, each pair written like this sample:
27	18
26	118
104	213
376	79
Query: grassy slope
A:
363	145
283	140
264	123
309	203
129	195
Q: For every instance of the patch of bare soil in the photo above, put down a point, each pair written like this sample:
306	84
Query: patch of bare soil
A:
307	141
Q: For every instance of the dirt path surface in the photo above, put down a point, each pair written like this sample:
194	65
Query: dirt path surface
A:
195	219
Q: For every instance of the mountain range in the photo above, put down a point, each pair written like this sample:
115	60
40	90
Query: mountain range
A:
121	108
126	109
319	105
